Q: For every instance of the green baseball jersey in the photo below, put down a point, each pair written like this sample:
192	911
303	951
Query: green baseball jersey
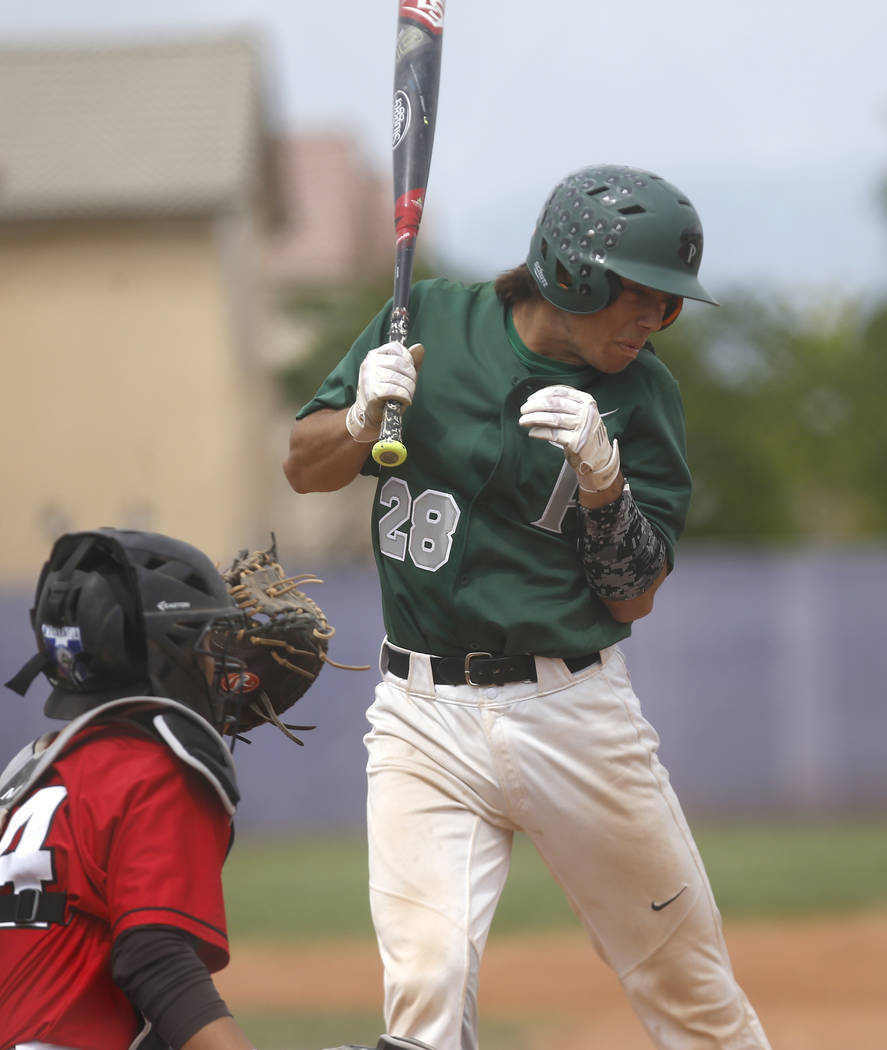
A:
475	533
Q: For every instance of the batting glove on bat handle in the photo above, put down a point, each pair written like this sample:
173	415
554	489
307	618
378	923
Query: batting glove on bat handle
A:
387	373
571	418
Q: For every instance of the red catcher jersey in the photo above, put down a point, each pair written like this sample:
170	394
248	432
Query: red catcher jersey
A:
135	838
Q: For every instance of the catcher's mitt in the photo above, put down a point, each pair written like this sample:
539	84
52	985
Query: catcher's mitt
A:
285	645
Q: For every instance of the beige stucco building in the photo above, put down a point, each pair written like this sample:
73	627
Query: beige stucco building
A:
142	230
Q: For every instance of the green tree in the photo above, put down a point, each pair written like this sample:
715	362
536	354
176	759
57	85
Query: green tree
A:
869	465
777	439
331	318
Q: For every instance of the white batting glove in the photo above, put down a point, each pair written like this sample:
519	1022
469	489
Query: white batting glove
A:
387	373
570	418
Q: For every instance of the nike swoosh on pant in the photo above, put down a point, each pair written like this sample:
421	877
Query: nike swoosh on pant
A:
665	904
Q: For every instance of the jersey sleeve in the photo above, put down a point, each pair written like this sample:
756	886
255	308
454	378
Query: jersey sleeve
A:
653	449
160	835
339	389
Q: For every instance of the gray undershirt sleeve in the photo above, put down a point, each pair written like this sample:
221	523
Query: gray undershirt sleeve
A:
160	972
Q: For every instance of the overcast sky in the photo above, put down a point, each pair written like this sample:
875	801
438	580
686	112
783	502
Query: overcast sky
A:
771	115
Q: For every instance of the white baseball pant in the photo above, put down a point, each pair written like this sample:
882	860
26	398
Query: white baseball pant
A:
454	771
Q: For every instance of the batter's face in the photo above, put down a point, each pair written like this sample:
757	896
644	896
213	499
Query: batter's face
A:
610	339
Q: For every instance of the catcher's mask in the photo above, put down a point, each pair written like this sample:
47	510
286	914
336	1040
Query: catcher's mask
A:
601	224
122	613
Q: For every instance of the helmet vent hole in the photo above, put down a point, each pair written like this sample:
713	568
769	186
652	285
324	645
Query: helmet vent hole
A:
632	209
563	278
543	248
196	581
596	191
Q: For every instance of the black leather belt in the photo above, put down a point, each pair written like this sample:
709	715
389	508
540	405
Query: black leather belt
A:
481	668
33	906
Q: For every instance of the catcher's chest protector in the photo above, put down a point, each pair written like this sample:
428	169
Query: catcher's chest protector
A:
187	735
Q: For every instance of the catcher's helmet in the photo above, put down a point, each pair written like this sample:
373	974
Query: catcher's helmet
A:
124	613
606	222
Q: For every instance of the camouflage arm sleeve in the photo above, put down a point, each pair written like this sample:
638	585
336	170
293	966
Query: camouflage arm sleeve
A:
622	554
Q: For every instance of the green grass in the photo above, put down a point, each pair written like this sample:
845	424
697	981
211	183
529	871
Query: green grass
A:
297	889
310	888
276	1030
311	1031
797	869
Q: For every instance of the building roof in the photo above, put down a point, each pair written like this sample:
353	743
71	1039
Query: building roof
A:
145	127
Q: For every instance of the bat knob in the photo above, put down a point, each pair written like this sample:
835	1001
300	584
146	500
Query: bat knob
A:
389	453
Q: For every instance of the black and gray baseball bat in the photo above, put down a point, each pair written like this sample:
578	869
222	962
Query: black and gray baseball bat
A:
416	81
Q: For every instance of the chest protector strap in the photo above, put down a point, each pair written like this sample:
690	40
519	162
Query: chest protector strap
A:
189	737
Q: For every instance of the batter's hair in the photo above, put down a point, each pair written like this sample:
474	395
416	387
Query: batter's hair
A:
516	286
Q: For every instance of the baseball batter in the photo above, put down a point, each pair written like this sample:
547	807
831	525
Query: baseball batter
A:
545	487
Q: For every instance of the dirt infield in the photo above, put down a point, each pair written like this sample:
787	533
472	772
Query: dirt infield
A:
817	985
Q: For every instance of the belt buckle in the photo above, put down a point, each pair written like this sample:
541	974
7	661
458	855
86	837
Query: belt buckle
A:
468	657
27	905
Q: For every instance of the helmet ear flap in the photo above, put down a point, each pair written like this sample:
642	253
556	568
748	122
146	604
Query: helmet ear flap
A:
614	282
672	310
593	286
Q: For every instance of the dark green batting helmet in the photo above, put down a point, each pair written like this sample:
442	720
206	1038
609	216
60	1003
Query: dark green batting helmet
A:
610	221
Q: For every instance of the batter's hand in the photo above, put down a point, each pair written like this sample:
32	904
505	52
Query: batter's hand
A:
570	418
387	373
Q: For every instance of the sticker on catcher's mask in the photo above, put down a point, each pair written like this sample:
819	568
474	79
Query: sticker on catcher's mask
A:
240	682
65	647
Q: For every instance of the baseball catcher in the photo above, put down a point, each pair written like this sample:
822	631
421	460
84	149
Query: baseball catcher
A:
114	828
117	824
283	645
